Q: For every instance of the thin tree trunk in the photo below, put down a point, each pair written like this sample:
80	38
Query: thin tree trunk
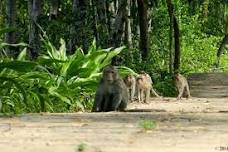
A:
73	27
118	30
95	24
143	24
111	14
102	22
116	5
11	23
80	26
170	10
54	6
225	39
205	8
128	34
135	18
220	50
34	9
177	46
83	5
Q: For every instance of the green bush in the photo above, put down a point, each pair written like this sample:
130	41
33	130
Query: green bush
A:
56	82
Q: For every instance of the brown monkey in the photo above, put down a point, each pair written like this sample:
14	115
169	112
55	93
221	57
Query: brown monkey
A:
144	86
130	82
150	81
182	86
111	94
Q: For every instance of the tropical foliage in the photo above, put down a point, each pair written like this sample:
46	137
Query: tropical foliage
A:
56	82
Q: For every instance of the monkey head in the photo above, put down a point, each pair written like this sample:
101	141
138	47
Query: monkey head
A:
110	74
177	76
142	72
129	80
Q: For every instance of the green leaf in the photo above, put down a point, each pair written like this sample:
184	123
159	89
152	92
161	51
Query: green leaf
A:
14	45
22	55
17	85
84	83
110	55
20	66
53	92
48	61
6	30
62	50
93	47
36	74
124	71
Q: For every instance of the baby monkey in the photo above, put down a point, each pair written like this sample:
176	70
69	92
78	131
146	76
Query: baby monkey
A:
130	82
182	86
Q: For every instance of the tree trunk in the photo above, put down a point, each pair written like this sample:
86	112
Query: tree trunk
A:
118	30
177	45
54	6
135	18
34	9
80	29
220	50
225	39
143	25
205	9
170	10
111	14
95	22
73	40
128	34
102	23
11	23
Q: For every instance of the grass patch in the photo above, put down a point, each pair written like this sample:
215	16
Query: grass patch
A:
81	147
147	124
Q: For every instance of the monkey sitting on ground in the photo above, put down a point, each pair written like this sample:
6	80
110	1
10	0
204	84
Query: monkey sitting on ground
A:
130	82
182	86
144	86
111	94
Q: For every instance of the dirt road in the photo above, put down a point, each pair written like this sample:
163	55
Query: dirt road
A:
187	126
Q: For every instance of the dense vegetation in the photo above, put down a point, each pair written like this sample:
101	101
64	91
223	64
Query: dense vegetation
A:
52	52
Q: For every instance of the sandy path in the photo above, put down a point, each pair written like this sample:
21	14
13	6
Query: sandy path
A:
192	125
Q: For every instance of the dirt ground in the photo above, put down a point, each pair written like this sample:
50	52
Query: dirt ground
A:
194	125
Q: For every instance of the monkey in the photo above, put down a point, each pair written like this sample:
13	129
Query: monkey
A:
111	94
130	82
151	82
144	86
182	86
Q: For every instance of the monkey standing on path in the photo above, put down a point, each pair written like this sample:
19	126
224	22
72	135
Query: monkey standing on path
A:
130	82
144	86
111	94
182	86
